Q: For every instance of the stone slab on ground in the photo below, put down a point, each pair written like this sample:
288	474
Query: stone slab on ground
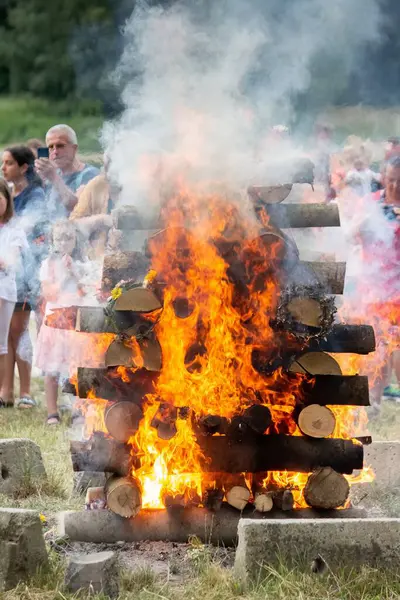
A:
384	458
94	572
22	547
21	464
86	479
351	542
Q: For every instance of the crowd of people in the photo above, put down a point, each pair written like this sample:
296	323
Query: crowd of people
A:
55	217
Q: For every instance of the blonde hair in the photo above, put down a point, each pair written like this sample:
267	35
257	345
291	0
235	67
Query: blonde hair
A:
6	192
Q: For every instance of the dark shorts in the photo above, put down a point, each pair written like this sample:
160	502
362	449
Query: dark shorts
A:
22	307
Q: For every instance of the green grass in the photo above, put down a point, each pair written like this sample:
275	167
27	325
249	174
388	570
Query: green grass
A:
22	118
214	582
387	425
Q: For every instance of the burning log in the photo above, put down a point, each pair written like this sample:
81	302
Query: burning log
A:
103	526
357	339
283	499
211	424
101	454
237	493
316	421
329	276
122	420
280	453
338	389
138	299
263	501
212	498
255	419
272	194
114	384
315	363
144	352
306	311
165	421
326	489
303	215
123	496
123	266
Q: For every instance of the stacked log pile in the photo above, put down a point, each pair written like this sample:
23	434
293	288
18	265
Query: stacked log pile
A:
241	451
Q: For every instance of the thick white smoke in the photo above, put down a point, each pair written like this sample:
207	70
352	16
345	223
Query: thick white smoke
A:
205	81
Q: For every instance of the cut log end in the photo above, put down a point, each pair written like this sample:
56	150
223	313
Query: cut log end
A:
238	496
315	363
317	421
123	496
122	420
138	299
263	501
306	311
326	489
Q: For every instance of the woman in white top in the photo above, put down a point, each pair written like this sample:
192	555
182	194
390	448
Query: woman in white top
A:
12	242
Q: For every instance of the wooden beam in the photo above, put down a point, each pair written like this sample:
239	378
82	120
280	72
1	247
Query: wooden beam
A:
303	215
329	276
357	339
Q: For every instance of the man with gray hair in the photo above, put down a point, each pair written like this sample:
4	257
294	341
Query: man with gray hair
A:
63	171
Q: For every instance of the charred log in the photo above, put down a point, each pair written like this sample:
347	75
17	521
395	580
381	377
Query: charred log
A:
123	266
112	384
280	453
101	454
357	339
327	276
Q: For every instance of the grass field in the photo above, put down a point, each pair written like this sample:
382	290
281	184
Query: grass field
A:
206	576
24	118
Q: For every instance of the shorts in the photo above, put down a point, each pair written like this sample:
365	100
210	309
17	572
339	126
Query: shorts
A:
22	307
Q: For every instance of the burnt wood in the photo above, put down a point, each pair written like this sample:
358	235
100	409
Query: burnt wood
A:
101	454
280	453
109	385
356	339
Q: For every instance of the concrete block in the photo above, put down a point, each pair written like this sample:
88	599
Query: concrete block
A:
22	547
95	572
86	479
21	464
384	458
351	542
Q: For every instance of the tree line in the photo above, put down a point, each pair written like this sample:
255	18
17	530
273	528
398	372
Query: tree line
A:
66	50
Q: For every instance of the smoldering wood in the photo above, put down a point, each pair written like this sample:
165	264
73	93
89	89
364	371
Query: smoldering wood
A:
122	420
352	339
103	526
283	500
101	454
125	266
109	385
326	489
303	215
211	424
329	277
212	498
164	421
280	453
92	319
126	217
123	496
255	419
338	390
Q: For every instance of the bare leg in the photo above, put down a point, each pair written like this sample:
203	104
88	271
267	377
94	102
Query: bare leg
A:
23	349
51	391
7	379
396	365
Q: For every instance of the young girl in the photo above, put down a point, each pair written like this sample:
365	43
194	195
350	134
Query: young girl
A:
29	208
65	282
12	243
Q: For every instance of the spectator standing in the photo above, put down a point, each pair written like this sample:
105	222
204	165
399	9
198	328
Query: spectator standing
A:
63	172
66	278
12	243
361	178
29	208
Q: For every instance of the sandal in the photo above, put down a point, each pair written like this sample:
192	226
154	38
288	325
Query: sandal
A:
26	402
4	404
53	419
